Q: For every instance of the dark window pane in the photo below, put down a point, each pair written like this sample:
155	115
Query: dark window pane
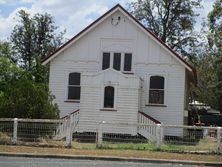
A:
74	93
106	60
73	88
128	62
156	82
109	97
74	79
117	61
156	96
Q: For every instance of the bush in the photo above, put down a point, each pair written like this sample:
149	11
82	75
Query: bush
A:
21	97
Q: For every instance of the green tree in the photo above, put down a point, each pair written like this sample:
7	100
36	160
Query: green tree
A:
215	25
6	50
171	20
33	38
206	86
209	62
215	41
21	97
24	92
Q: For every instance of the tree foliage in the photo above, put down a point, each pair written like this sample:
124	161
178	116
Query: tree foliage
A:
171	20
209	88
23	80
21	97
209	62
33	38
215	41
215	25
205	90
6	50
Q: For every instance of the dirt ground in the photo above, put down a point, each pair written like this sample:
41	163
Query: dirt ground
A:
115	153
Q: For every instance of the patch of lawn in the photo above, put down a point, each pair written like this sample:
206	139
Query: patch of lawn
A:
129	146
83	146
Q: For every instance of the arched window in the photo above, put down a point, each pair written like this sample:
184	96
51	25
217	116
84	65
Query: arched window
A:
74	88
109	97
156	92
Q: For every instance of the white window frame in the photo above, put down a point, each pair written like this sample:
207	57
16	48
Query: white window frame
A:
122	60
165	89
114	85
67	86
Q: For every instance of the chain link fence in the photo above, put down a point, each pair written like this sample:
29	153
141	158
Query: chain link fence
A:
163	137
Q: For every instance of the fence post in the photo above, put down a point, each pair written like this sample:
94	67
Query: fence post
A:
69	133
15	131
159	136
99	137
71	126
218	140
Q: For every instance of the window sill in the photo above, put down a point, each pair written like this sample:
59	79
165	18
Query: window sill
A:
72	101
130	73
155	105
104	109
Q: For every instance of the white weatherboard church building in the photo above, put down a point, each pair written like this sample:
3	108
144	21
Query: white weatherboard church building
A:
116	70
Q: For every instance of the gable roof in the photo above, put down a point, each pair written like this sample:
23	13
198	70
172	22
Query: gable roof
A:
133	19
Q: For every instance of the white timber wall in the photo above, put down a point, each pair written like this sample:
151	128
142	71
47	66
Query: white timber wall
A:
125	102
149	58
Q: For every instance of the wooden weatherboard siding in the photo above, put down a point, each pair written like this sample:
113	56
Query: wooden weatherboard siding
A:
126	101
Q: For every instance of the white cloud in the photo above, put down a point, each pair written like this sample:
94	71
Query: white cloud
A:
72	15
3	1
7	24
10	2
27	1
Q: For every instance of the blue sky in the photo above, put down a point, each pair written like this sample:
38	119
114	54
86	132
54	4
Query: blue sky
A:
72	15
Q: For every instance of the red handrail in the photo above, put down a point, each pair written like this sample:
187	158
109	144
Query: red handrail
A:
149	117
71	113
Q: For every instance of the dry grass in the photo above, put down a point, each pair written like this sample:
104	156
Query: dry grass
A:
207	144
116	153
4	138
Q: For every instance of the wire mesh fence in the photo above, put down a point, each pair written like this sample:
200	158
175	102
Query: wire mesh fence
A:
6	131
111	135
192	138
28	131
167	138
35	131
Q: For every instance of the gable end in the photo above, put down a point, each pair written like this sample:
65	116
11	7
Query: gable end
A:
135	21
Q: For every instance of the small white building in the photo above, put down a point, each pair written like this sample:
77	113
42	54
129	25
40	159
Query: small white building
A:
115	68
